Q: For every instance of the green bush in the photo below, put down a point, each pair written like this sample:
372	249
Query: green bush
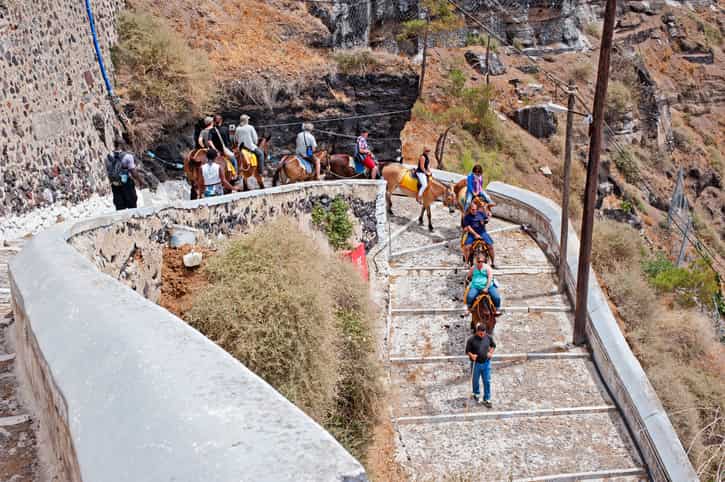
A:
627	165
300	317
483	123
160	72
457	82
473	39
335	222
359	61
694	284
619	98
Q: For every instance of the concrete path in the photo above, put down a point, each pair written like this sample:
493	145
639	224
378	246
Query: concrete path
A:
18	444
552	418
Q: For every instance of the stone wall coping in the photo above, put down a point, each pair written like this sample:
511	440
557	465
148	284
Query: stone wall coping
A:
147	397
660	445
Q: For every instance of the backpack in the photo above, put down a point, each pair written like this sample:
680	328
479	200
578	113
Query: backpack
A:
116	172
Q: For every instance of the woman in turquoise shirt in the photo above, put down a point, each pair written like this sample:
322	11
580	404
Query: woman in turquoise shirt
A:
481	276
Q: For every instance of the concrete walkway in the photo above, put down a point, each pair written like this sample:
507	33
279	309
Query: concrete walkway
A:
18	444
552	418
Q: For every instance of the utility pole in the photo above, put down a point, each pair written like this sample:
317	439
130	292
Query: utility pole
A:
564	238
425	55
590	193
488	69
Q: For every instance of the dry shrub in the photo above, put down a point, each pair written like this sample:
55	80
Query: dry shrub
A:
619	99
160	73
356	61
582	71
629	290
300	318
615	245
686	365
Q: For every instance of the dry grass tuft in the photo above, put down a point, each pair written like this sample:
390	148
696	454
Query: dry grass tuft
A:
678	348
615	244
162	75
299	317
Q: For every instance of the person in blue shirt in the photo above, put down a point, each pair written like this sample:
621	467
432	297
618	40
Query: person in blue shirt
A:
474	227
474	188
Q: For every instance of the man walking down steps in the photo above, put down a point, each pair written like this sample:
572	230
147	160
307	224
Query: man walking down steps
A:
480	348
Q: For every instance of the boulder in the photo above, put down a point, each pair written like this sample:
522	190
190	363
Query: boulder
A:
641	7
529	68
192	259
537	120
623	216
478	62
629	20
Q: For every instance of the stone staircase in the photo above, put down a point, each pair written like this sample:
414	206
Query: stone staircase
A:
18	444
552	417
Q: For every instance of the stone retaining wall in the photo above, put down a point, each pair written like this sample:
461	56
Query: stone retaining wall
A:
634	395
56	121
128	391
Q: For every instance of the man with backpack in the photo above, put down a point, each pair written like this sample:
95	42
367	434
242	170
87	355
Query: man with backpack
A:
121	169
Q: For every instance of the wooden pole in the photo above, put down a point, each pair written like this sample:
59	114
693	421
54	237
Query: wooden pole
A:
564	239
425	58
488	69
590	193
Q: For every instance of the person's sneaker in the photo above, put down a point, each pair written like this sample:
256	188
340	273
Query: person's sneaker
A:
476	397
487	403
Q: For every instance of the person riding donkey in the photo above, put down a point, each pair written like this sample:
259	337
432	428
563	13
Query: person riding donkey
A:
364	155
246	138
474	227
474	189
213	177
481	281
422	172
306	146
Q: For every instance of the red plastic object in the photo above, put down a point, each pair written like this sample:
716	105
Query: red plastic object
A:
357	257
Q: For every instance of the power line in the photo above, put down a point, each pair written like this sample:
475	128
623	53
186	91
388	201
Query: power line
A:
349	136
338	119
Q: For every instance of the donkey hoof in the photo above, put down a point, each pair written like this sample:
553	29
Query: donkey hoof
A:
420	222
430	228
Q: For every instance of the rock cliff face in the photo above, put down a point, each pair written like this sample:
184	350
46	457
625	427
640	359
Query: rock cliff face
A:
56	122
333	97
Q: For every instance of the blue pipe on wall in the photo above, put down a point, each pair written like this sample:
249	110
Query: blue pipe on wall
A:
99	56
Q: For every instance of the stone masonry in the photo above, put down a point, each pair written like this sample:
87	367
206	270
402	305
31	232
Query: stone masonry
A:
56	120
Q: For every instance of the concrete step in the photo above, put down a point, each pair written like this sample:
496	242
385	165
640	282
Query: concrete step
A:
445	388
462	270
18	449
620	475
448	291
487	414
424	336
519	447
512	248
462	311
9	405
501	358
6	361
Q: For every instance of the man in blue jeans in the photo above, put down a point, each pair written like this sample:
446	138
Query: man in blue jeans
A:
480	348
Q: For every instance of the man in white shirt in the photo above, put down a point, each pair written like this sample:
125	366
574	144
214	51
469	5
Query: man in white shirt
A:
307	145
246	137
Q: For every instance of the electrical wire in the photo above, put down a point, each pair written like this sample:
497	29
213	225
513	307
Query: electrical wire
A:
338	119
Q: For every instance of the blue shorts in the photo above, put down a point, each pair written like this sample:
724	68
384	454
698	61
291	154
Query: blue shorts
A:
485	237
